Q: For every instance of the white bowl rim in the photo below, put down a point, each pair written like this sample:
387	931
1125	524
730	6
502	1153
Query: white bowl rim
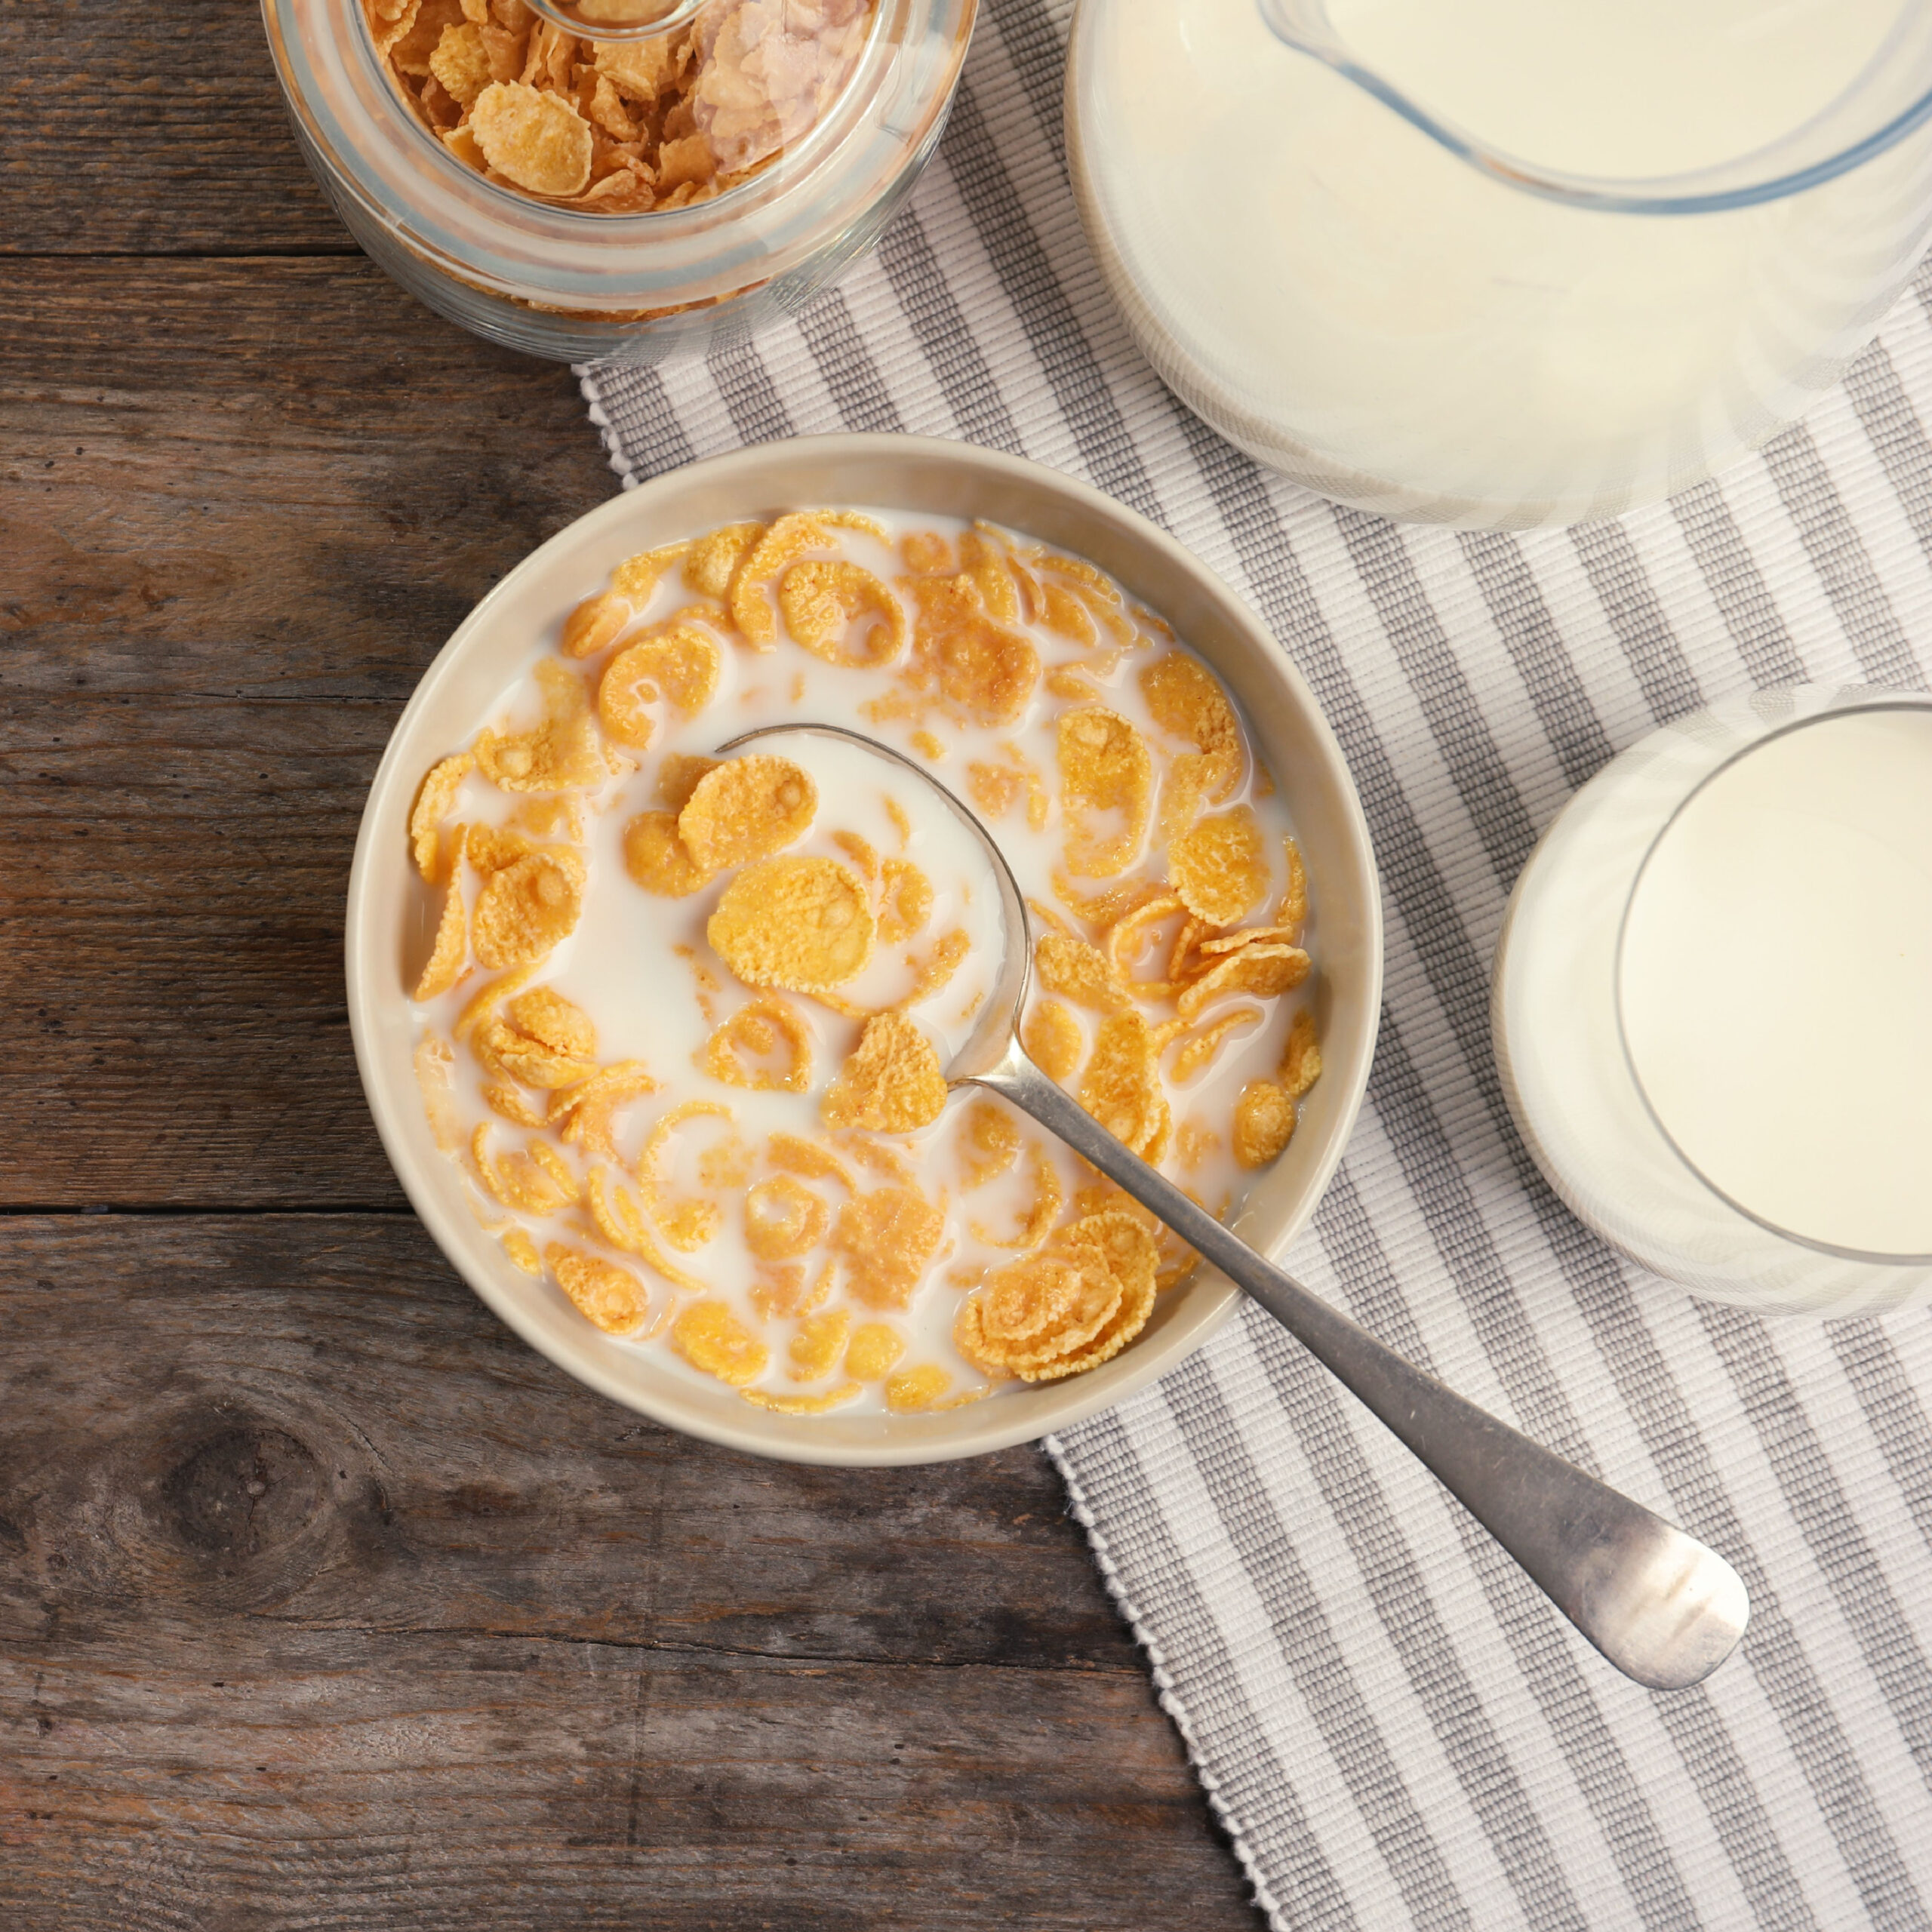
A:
1010	1417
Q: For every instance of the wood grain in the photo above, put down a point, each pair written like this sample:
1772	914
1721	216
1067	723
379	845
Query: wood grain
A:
149	129
223	577
350	1611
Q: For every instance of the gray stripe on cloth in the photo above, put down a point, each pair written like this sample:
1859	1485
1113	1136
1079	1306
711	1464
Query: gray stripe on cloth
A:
1293	1606
1529	633
1777	1797
846	365
1839	556
1818	1500
1623	586
1893	1412
940	326
1737	586
1260	1797
1897	433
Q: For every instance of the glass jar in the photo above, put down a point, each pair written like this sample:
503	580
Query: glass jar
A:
1763	1152
580	286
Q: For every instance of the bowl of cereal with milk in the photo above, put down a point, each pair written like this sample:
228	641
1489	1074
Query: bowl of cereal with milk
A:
654	991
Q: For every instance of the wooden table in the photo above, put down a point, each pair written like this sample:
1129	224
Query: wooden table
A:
324	1602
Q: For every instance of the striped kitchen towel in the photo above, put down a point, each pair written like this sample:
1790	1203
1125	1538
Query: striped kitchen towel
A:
1396	1728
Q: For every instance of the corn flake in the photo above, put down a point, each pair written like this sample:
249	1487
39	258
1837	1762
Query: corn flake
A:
892	1084
989	1142
985	671
1301	1057
1121	1086
885	1239
759	1030
1054	1040
1079	971
564	753
1106	790
789	537
521	1250
913	1389
678	775
1264	1121
713	561
678	666
433	800
1185	700
613	1298
636	577
524	911
906	901
800	924
783	1219
537	140
445	965
712	1338
873	1352
815	1349
1218	866
748	808
657	859
1199	1050
804	1405
792	1153
1266	970
822	599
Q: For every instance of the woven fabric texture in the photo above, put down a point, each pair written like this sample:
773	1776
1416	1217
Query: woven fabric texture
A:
1395	1727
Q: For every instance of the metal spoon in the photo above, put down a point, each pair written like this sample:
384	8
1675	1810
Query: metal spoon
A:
1661	1606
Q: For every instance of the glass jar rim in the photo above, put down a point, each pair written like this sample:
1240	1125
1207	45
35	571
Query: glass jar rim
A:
378	154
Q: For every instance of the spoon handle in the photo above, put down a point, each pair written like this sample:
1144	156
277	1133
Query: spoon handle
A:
1661	1606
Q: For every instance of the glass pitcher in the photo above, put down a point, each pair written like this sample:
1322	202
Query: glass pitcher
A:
1499	263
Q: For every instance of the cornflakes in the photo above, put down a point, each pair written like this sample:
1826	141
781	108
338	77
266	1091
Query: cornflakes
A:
759	1030
619	1219
790	537
1264	1120
522	1251
986	671
746	809
937	971
1121	1086
636	577
800	924
1292	912
1186	700
913	1389
713	561
804	1405
596	624
1301	1057
863	853
564	753
524	911
892	1084
584	1116
1198	1051
1079	971
516	1179
874	1352
783	1219
679	667
815	1348
1218	867
885	1238
433	801
1107	790
792	1153
657	859
989	1142
678	775
1266	970
1054	1040
822	599
688	1221
612	1297
452	943
906	901
710	1337
1036	1222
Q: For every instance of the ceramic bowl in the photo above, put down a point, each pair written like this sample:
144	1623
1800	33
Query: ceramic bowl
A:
893	473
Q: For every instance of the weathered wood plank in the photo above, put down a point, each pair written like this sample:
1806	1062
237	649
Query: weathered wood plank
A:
221	578
134	130
323	1603
241	1779
309	1421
